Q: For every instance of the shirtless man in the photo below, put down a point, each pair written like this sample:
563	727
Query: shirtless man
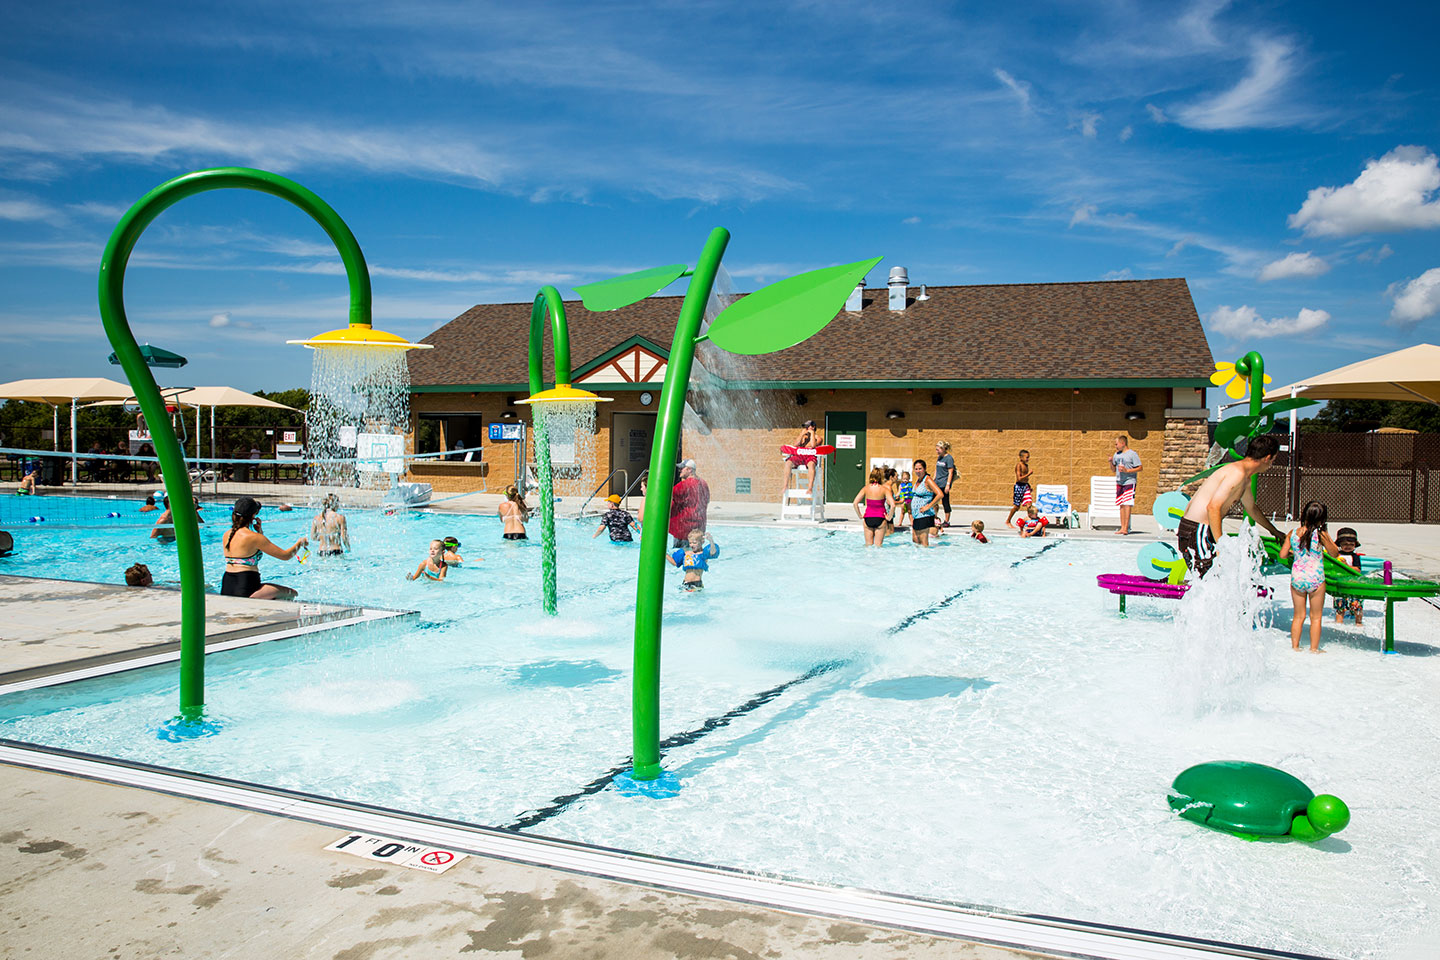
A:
810	437
329	532
1200	526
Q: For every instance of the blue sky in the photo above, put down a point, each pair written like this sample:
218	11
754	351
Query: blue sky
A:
1280	156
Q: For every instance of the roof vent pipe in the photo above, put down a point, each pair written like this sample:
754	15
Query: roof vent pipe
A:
857	298
899	286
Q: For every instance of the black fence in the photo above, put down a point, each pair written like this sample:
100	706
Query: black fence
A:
1361	477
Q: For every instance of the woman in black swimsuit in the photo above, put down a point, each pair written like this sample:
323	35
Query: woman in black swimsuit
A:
243	547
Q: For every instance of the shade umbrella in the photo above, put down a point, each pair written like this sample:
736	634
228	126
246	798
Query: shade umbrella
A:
58	390
1411	374
157	357
211	397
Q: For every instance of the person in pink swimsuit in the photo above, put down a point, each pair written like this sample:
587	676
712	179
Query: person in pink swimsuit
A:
879	507
1308	544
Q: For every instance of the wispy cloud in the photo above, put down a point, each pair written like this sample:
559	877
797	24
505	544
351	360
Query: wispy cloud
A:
1260	98
1086	122
1021	90
1392	194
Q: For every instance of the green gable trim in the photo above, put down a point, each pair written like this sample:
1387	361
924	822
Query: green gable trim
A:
611	354
854	385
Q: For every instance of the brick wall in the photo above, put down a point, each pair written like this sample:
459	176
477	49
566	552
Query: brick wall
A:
1187	441
731	434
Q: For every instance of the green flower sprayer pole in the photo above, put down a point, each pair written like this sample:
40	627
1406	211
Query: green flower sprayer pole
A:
1252	368
547	302
650	587
167	447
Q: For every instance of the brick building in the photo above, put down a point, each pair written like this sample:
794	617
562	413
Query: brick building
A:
1055	368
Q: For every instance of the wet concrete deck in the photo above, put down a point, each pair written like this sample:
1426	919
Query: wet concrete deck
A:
51	626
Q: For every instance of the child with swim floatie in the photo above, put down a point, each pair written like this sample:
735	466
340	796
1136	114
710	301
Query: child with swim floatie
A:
1032	524
977	531
692	559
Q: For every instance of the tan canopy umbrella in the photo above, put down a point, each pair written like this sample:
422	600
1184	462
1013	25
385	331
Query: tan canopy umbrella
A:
1410	374
60	390
211	397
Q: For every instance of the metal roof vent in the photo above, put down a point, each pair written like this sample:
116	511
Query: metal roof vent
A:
899	286
857	298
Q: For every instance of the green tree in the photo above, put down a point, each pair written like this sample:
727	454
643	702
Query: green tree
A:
1361	416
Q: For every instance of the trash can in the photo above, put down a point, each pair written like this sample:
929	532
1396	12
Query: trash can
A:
242	473
52	472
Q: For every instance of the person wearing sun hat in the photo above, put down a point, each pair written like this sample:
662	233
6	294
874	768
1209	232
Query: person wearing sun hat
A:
617	520
1347	540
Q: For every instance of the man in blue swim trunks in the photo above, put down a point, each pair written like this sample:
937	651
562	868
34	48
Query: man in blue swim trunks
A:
692	559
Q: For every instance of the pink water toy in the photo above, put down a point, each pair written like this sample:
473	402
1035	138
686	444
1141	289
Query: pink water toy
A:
1133	585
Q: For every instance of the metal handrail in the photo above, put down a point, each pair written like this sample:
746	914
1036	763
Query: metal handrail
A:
624	496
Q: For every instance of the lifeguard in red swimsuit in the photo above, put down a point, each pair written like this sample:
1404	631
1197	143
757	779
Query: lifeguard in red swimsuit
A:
810	438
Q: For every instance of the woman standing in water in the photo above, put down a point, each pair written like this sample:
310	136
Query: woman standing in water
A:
329	530
923	503
514	512
879	507
243	545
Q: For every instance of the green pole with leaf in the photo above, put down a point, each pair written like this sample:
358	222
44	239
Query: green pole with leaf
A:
127	352
549	305
773	318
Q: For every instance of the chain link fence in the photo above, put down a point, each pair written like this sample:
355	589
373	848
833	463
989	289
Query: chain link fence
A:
1360	477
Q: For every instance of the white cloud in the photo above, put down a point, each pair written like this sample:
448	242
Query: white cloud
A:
1245	323
1086	122
1082	213
1375	256
1156	113
1127	133
20	207
1256	101
1417	300
1124	274
220	320
911	220
1391	194
1294	265
1017	87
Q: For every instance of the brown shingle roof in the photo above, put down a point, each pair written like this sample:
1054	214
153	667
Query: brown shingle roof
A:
1116	329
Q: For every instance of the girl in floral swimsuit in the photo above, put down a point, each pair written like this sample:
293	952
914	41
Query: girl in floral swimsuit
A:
1308	544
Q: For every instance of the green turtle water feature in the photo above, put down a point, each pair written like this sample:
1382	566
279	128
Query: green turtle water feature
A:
1256	802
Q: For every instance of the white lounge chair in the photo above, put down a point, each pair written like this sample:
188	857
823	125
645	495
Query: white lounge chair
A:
1052	501
1102	501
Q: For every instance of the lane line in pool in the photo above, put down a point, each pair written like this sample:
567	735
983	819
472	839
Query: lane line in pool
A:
560	804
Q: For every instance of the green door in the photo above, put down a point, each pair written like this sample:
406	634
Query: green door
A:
845	468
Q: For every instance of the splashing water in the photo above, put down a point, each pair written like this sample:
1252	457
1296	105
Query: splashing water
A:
363	388
569	431
1220	658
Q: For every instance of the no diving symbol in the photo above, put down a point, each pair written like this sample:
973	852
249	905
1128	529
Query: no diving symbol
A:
436	858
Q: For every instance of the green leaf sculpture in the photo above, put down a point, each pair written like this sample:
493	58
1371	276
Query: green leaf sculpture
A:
1285	406
631	288
786	313
1229	431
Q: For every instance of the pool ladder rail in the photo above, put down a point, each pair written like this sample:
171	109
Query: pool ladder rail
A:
629	485
798	505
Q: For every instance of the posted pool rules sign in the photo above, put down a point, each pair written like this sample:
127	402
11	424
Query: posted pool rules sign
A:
389	850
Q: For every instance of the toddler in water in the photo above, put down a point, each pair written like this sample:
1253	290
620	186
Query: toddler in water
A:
433	566
693	558
451	555
977	530
1032	524
1308	544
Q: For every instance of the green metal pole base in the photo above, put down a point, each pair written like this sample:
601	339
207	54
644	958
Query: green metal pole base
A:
646	771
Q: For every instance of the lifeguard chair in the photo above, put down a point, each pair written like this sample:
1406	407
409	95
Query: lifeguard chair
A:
798	505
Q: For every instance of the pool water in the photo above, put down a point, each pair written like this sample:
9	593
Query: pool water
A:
972	723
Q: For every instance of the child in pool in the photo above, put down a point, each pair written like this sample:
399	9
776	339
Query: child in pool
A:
27	482
693	558
451	555
1308	544
433	566
977	530
902	500
617	520
1032	524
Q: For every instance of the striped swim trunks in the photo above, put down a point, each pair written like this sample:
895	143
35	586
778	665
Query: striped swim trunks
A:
1124	494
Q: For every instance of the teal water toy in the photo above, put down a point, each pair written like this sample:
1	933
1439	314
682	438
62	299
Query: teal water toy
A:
1256	802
